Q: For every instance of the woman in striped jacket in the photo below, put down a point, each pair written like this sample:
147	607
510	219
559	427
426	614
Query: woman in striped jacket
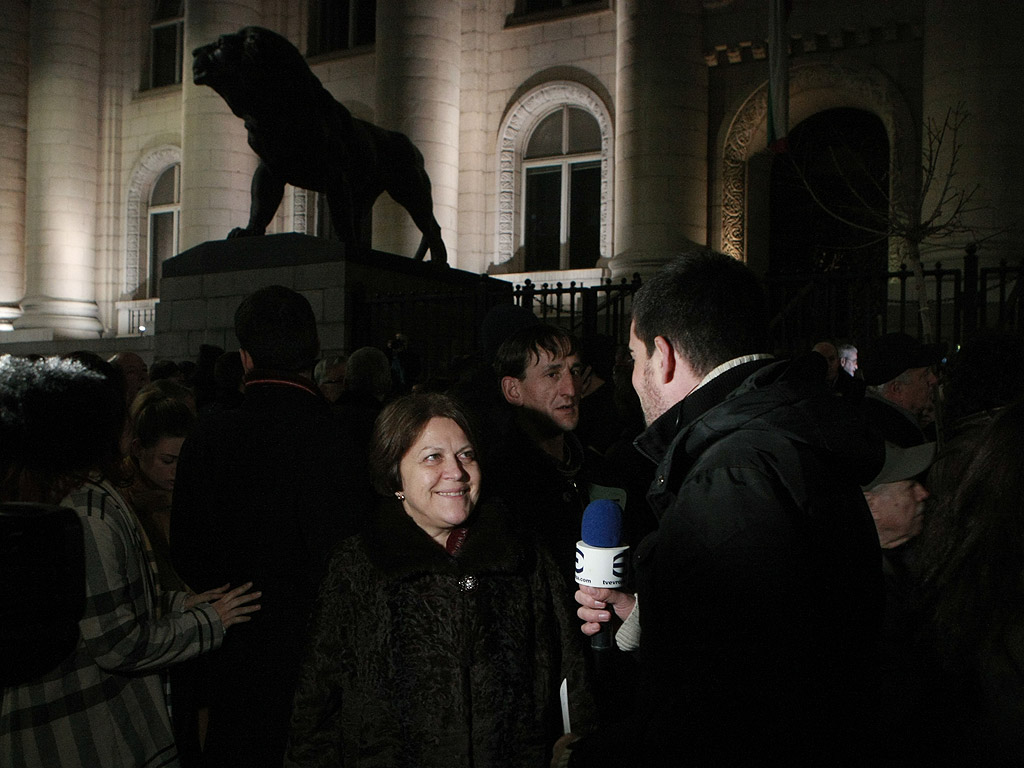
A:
105	703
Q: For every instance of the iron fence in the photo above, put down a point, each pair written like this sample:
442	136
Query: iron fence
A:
585	311
440	326
807	308
142	322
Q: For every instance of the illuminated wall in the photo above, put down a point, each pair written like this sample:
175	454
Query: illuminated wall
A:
678	94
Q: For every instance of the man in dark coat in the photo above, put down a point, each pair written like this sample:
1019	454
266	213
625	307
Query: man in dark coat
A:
263	493
545	473
761	588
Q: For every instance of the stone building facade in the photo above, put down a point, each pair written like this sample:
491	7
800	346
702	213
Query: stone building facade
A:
612	133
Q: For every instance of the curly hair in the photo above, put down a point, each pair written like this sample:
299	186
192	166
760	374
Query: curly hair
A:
60	421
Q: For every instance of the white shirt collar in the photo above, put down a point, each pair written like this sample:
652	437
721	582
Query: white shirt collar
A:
729	364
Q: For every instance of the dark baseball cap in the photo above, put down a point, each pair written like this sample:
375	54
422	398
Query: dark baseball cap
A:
895	353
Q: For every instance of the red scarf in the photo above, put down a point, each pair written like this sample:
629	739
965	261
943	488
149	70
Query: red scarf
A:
455	541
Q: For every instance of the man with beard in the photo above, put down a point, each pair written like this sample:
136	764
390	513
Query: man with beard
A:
761	587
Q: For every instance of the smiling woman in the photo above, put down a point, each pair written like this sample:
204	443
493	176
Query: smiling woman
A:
440	478
442	633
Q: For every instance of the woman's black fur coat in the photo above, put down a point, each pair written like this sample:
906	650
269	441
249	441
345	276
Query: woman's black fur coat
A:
422	659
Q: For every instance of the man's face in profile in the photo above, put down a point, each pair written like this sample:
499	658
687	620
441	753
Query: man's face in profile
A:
652	400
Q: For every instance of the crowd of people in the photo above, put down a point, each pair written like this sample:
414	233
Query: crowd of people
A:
827	546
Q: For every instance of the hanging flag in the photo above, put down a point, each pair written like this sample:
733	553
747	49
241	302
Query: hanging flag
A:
778	74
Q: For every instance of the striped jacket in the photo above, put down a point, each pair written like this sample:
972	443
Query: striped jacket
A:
106	703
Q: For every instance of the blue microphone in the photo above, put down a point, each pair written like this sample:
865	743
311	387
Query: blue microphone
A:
600	555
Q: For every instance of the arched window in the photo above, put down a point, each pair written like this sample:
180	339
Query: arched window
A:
153	202
166	44
562	192
164	208
554	176
151	221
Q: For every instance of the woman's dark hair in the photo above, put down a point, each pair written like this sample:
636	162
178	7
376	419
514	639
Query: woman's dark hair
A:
972	549
162	409
400	424
61	421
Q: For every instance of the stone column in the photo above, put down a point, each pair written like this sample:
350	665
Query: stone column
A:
418	63
971	57
661	134
61	170
216	161
14	54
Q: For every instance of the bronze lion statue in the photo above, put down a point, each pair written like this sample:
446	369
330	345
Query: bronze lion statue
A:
306	138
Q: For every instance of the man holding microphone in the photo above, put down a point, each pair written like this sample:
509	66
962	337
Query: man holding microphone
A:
760	590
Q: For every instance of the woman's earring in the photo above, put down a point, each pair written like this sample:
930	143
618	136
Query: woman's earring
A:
399	495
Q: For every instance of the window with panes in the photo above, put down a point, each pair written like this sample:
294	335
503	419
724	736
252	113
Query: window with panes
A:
162	239
166	44
561	174
341	25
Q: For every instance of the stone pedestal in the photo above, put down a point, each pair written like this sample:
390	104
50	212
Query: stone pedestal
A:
360	296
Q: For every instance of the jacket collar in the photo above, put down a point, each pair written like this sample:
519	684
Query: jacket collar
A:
655	441
400	548
786	397
258	378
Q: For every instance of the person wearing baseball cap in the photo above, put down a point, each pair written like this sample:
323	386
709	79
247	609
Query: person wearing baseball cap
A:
896	498
900	373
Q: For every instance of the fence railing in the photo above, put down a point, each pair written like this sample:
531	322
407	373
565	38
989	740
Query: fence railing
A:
959	300
441	326
585	310
806	308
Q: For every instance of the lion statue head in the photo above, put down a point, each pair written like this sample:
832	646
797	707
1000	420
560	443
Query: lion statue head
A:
254	68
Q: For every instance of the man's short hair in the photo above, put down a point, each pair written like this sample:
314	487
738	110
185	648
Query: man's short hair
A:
709	306
276	326
520	350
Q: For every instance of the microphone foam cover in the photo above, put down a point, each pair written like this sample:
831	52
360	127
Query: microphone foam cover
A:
602	524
